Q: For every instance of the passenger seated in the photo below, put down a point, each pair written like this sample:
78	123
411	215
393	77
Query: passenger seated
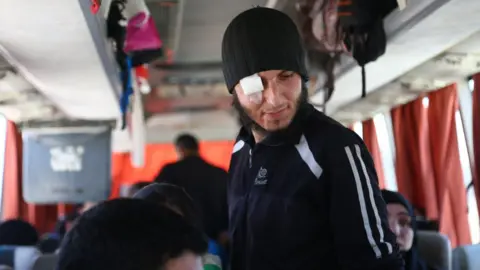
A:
127	234
18	240
16	232
179	201
402	222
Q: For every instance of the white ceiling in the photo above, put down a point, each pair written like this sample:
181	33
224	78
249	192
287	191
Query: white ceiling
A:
449	25
52	44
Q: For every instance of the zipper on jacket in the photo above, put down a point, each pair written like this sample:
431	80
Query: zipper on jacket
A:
250	159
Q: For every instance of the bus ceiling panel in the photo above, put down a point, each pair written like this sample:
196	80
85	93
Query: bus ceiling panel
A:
61	49
421	31
203	25
186	73
12	81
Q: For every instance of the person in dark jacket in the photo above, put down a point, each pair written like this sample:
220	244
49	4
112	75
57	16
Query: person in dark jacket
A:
402	222
205	183
302	190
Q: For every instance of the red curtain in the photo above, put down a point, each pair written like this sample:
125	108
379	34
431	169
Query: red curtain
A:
446	165
157	155
413	165
428	161
371	140
42	217
476	137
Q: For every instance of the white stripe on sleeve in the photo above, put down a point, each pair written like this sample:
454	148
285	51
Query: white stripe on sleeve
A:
307	156
363	207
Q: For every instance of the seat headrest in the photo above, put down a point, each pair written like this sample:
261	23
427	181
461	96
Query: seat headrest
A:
466	257
46	262
435	249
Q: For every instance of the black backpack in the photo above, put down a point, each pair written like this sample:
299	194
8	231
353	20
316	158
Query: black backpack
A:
361	21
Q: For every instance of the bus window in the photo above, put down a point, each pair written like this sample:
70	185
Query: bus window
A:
471	84
473	218
358	128
386	151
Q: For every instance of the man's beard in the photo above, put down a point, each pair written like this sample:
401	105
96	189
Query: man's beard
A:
248	123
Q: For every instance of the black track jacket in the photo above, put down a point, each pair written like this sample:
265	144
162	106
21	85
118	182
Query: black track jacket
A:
307	199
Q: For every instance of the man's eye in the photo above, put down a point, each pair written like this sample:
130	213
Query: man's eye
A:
286	75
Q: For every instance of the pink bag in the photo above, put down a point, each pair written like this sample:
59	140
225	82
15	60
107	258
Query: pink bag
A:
141	34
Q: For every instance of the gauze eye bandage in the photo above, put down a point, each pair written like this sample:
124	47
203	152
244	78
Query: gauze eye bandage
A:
252	87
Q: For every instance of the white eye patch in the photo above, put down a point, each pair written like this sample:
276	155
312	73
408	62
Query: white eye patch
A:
251	84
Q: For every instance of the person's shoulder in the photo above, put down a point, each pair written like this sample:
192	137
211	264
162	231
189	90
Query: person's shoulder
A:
321	127
166	171
218	170
172	165
215	170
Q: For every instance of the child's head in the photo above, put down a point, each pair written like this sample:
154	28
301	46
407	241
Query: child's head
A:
174	197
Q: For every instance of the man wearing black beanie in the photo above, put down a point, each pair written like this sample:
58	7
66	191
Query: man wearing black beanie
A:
303	191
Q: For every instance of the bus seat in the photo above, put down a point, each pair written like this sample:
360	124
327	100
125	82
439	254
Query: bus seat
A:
46	262
466	257
18	257
435	249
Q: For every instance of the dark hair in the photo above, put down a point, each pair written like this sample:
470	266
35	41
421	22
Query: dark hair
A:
171	196
186	142
125	234
49	243
16	232
137	186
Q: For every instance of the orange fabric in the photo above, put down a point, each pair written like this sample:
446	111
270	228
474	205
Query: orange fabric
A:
370	139
12	196
428	165
14	207
413	164
476	137
446	165
157	156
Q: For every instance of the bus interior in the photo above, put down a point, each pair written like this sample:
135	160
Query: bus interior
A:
59	86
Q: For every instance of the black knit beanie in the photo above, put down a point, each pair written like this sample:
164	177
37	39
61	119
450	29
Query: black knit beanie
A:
261	39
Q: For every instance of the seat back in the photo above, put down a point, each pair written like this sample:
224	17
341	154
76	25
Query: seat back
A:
18	257
46	262
466	257
435	249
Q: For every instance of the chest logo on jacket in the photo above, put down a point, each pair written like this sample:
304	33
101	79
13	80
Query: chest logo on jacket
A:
261	178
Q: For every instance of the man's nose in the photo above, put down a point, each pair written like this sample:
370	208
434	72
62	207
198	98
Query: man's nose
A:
272	94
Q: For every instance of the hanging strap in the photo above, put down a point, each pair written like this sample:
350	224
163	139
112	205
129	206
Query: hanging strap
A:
126	76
